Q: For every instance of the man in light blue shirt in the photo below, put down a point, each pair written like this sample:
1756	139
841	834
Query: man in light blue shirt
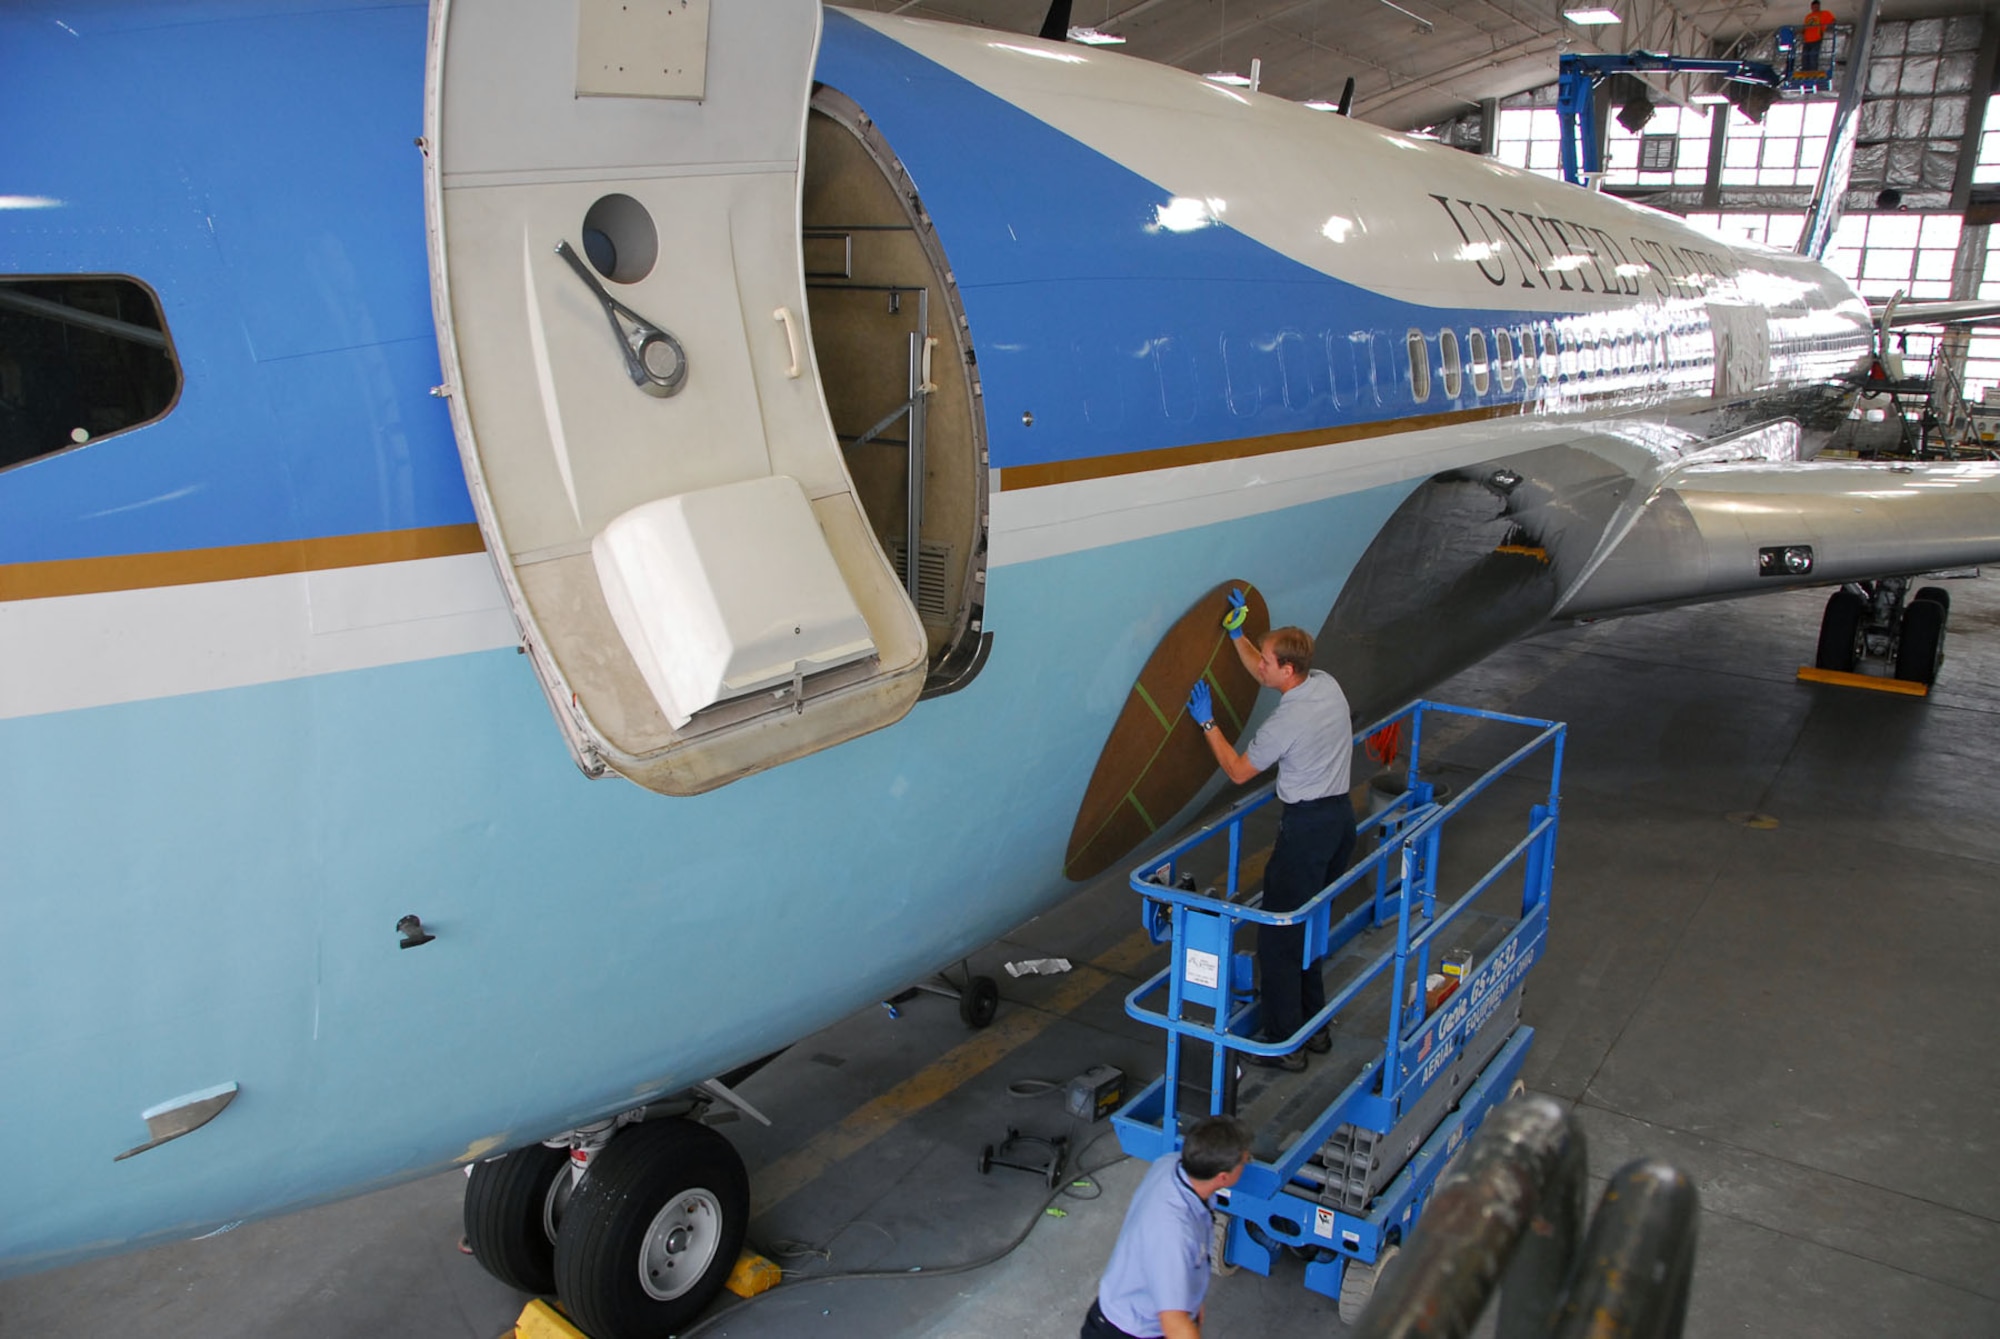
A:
1310	740
1158	1273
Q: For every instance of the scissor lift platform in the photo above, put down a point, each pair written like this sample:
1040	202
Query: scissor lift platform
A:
1346	1153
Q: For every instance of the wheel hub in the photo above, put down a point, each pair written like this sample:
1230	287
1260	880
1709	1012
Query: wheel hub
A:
680	1245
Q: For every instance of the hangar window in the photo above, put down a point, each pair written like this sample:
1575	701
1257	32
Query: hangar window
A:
1480	374
1448	355
81	357
1420	367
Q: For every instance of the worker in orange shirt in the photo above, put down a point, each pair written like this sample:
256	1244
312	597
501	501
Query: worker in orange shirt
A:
1811	34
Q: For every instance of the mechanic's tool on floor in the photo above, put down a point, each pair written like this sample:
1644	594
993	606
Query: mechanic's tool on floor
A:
1016	1149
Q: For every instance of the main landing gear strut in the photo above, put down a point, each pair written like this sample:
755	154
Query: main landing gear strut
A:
635	1234
1868	622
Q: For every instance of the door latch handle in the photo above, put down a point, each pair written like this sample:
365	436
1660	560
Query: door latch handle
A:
654	359
790	322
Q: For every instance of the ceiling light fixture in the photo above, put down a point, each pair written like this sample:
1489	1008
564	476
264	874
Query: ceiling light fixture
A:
1586	18
1092	37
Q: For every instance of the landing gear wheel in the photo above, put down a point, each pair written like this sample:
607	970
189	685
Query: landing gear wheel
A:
978	1002
512	1206
1839	630
1357	1283
652	1233
1920	647
1937	595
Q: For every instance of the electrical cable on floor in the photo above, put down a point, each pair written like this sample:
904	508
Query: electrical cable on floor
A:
794	1250
1084	1176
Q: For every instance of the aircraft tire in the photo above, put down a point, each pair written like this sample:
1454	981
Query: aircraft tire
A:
1839	627
1357	1283
979	1001
1937	595
511	1208
1920	648
652	1233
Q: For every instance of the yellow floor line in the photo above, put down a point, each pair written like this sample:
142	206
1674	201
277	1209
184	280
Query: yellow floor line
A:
863	1126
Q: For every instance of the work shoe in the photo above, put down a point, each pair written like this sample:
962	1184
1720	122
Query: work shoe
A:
1291	1064
1320	1042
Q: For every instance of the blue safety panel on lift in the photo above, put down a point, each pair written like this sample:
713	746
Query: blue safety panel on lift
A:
1204	948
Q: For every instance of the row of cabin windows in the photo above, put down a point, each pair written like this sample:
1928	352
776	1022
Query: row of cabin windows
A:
81	357
1683	348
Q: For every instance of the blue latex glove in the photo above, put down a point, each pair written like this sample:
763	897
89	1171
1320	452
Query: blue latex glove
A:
1200	705
1239	610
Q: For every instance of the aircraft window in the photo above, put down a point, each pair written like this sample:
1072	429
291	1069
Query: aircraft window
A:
1552	368
1367	376
1448	355
1531	364
1340	352
81	357
1381	363
1480	372
1420	367
1503	344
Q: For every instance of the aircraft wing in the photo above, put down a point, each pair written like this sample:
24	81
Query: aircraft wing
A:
1971	311
1715	530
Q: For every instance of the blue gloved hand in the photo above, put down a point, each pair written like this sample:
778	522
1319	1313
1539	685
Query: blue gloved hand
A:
1200	705
1239	610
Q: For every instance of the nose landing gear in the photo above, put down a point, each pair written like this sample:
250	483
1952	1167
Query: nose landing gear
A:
638	1248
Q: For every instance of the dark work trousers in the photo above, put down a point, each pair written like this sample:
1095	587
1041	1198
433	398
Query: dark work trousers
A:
1315	842
1095	1326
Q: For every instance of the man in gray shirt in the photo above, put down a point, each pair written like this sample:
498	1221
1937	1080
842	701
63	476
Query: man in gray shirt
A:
1310	740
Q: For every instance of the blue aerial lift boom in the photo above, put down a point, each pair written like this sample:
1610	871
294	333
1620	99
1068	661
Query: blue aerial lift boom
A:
1579	76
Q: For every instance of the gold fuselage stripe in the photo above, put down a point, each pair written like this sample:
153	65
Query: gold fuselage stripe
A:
1202	453
186	567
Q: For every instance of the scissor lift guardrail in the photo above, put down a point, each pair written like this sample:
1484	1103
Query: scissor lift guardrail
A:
1288	1202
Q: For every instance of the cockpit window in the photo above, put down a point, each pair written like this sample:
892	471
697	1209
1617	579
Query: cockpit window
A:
81	357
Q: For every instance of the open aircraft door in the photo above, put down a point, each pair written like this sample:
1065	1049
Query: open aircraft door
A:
613	203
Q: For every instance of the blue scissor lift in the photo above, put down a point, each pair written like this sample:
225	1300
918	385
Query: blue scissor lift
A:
1347	1153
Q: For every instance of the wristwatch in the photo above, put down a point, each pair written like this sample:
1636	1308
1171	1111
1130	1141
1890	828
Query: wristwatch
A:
1207	726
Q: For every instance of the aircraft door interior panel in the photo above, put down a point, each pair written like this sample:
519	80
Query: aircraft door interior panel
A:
622	317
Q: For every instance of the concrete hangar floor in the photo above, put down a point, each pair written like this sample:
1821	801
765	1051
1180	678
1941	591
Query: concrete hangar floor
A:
1798	1013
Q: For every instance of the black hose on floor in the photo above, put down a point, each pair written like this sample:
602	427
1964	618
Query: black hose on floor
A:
1084	1174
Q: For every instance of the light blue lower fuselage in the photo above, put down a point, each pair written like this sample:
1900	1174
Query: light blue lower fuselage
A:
203	889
